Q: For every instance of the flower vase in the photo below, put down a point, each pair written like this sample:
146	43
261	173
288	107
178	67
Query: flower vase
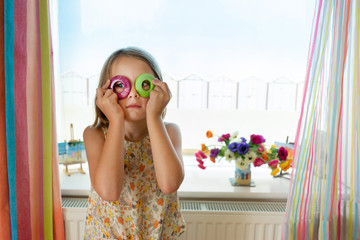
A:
242	174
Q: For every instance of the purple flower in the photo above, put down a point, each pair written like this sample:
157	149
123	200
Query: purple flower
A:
257	139
233	147
214	152
243	139
243	148
283	153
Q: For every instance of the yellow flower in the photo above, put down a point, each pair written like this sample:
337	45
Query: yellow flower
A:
174	206
284	165
273	173
139	204
89	219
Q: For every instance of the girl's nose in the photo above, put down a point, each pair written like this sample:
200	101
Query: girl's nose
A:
133	92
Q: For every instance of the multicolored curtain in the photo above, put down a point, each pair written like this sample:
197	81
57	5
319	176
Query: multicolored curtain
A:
324	194
30	201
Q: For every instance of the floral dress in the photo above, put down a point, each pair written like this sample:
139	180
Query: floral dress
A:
142	211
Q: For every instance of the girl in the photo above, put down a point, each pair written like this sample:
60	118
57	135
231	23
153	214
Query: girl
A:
134	158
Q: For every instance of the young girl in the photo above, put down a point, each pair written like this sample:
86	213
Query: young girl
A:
135	159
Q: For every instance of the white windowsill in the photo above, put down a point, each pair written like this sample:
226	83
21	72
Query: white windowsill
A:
204	184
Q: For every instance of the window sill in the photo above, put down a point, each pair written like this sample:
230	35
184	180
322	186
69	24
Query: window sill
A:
212	183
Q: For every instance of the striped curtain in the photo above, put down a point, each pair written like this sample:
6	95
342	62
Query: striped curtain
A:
30	201
323	201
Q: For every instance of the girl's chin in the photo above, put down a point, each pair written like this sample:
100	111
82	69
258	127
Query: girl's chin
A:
135	117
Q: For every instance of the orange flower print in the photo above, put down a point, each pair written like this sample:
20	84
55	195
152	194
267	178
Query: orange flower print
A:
212	159
265	156
156	224
141	168
107	222
120	220
132	185
160	201
203	148
209	134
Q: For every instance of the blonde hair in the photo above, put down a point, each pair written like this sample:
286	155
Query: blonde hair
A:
134	52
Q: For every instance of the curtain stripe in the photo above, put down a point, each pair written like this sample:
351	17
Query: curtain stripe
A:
10	111
34	107
40	124
47	120
57	206
22	166
4	189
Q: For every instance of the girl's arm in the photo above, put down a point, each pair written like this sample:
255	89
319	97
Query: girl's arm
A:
106	155
167	156
165	141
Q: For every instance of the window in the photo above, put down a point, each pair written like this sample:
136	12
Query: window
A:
231	65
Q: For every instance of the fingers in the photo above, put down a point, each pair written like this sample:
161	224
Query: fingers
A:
106	85
99	93
161	86
105	93
109	92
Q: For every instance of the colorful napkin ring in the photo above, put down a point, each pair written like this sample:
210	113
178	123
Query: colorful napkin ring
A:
144	85
122	86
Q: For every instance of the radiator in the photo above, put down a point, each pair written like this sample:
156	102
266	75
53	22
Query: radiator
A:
205	220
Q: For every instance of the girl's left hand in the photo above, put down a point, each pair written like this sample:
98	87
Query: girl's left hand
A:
159	98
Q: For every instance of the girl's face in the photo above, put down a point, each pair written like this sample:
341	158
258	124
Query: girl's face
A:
134	105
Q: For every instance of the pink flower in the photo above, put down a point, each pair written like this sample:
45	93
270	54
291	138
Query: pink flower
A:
283	153
201	166
224	137
200	161
261	148
257	139
258	162
273	163
200	155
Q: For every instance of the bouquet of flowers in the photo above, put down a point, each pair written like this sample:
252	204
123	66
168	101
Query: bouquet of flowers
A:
231	147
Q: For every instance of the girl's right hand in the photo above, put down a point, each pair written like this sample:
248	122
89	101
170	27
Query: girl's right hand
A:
107	101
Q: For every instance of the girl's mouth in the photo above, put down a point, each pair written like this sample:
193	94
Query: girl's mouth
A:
133	106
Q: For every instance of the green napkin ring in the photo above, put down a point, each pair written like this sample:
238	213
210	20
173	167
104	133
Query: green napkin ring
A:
144	85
